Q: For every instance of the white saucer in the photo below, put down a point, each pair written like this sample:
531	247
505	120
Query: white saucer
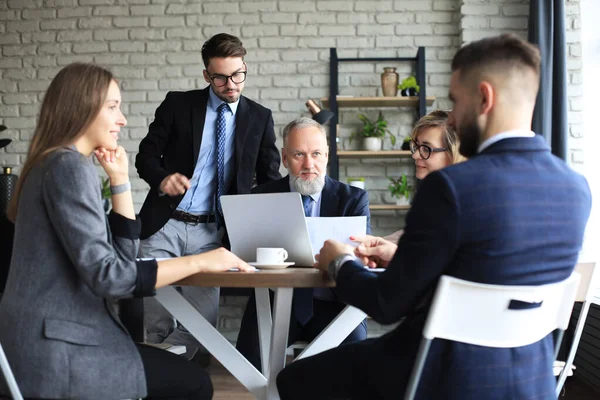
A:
272	266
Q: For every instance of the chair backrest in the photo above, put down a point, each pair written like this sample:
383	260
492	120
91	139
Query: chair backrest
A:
9	377
497	315
589	280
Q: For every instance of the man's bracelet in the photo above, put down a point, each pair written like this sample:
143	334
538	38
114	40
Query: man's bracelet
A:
122	188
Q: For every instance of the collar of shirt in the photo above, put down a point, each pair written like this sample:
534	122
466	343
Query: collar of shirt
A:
316	196
517	133
214	102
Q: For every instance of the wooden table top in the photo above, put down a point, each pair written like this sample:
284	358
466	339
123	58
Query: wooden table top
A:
274	278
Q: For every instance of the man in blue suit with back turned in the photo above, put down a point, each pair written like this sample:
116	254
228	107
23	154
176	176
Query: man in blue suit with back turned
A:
512	215
305	155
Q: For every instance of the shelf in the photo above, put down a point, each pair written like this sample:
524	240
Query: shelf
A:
373	154
380	207
398	101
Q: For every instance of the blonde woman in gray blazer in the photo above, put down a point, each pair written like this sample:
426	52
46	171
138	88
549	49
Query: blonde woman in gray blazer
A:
70	264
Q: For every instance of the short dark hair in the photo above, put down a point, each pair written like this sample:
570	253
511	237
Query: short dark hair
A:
222	45
504	52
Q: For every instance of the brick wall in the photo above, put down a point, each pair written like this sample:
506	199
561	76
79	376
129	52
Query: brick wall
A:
153	46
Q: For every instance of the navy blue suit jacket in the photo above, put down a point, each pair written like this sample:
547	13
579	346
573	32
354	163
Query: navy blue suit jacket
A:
337	198
512	215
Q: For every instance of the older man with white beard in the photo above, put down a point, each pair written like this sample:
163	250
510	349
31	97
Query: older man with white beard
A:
304	154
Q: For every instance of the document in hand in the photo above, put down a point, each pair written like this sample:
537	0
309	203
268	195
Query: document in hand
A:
321	229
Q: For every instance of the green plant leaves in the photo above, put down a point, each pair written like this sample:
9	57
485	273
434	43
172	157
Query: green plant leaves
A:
399	187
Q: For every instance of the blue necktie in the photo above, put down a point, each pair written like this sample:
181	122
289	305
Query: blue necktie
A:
303	298
220	159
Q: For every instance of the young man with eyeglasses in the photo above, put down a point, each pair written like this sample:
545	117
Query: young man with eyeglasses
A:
202	144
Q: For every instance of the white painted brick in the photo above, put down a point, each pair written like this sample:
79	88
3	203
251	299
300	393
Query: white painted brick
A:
395	18
272	43
355	18
243	19
264	81
361	42
235	31
277	69
148	34
258	6
473	9
298	30
38	14
373	6
11	38
9	111
445	5
394	41
79	48
21	123
183	58
333	5
127	47
296	6
339	30
509	23
130	22
209	20
471	35
60	3
435	17
112	59
94	22
8	87
515	10
176	84
163	46
260	30
316	18
166	22
111	11
74	12
111	34
414	29
127	72
415	5
10	62
54	48
167	71
299	55
21	26
317	43
39	61
147	59
474	22
375	30
446	29
148	10
185	33
19	98
184	9
218	8
279	93
575	50
74	36
95	2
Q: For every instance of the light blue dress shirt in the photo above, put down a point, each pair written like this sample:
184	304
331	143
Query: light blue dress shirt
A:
200	197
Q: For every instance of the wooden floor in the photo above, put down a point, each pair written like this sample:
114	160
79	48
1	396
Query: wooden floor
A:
228	388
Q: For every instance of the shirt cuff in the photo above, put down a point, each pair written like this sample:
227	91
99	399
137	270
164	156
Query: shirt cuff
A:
124	227
145	284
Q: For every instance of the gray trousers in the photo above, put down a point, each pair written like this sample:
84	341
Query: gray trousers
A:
177	239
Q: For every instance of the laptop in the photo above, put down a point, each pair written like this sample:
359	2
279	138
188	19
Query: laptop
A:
268	220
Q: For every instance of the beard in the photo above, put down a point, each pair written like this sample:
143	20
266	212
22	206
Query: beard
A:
228	98
469	134
307	187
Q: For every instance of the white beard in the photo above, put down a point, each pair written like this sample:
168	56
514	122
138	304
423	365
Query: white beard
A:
307	188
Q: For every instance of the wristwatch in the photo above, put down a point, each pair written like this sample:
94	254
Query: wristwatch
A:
335	265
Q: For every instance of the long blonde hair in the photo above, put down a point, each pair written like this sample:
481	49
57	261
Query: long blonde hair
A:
439	118
71	103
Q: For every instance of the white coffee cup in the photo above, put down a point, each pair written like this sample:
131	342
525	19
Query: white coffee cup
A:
270	255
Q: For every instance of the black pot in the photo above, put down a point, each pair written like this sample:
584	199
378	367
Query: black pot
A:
405	145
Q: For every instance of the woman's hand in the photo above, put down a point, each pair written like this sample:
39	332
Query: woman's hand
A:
115	163
221	260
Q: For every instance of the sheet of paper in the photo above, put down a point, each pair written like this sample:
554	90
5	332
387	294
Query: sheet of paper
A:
321	229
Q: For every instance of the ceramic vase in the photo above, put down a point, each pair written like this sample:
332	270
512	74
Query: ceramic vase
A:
389	82
372	143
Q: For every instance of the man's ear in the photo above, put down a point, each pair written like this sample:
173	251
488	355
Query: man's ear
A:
205	74
487	95
284	157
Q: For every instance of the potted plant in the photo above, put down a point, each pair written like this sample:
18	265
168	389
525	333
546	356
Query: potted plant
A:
357	182
409	87
401	190
105	191
373	132
406	143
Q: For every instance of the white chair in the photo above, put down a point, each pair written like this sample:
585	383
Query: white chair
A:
9	377
588	281
479	314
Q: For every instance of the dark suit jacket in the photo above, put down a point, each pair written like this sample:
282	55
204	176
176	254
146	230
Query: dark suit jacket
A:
512	215
173	144
337	198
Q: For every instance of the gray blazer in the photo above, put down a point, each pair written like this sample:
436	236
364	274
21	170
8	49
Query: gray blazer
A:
59	329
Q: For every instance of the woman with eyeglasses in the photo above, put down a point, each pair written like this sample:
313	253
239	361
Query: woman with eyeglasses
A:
434	145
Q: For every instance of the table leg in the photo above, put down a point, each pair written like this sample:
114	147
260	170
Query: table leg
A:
335	332
263	314
279	335
214	342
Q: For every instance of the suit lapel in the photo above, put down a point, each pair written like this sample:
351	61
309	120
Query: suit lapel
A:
242	125
329	200
198	118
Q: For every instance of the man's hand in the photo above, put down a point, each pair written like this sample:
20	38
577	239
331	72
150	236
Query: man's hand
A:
331	249
175	184
374	251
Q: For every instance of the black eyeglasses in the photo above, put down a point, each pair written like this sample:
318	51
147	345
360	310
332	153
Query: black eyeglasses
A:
221	80
424	150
